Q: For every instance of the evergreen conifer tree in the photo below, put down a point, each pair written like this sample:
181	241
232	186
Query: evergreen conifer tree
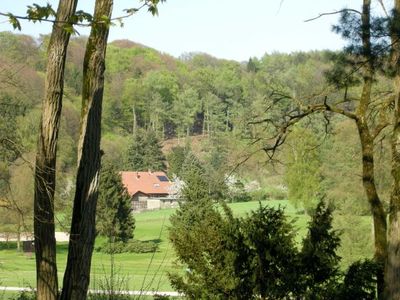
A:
145	152
194	176
318	258
176	158
114	211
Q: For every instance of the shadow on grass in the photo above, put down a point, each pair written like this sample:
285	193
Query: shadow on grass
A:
62	247
155	241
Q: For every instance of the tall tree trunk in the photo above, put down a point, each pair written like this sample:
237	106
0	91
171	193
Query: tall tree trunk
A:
392	274
134	125
45	243
377	210
367	146
77	273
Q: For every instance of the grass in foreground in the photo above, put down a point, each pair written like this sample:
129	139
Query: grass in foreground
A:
147	271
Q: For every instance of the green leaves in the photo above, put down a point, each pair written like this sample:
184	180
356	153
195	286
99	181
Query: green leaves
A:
14	21
69	28
131	11
153	6
34	13
37	12
81	16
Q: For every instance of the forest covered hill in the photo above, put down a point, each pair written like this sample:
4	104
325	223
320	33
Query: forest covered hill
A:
221	107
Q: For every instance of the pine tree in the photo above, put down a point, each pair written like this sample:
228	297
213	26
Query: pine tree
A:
145	152
114	211
154	158
318	258
194	176
175	159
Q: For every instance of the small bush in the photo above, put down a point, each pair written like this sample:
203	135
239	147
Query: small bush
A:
360	281
161	297
141	247
258	195
269	193
276	193
8	245
25	295
134	246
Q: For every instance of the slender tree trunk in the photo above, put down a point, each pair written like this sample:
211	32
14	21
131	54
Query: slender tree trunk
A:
227	121
392	274
367	146
134	126
45	243
208	122
77	273
377	210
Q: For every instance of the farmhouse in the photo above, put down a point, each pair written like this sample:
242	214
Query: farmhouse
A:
149	190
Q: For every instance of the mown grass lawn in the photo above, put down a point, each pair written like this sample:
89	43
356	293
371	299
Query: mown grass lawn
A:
137	271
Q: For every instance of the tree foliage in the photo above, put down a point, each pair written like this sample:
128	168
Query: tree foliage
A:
114	211
256	256
318	258
303	169
145	152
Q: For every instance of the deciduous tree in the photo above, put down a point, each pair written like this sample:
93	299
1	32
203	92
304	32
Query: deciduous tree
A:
364	55
45	168
83	232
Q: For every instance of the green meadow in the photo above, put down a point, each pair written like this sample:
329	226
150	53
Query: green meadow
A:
134	271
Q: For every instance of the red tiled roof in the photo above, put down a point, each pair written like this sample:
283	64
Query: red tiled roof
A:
146	182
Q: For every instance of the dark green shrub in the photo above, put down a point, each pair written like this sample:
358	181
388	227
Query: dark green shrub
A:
134	246
8	245
360	281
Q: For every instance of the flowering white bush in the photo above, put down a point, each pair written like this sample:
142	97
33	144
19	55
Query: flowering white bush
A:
176	189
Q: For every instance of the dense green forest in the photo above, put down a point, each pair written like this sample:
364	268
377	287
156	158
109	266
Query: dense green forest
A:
219	109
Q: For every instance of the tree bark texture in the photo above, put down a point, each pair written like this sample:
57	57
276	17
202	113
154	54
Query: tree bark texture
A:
367	146
77	273
392	274
45	243
377	210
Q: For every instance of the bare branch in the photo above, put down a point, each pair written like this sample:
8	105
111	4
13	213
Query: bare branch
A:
383	7
333	13
378	129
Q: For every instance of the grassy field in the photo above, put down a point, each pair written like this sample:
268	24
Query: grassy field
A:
137	271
